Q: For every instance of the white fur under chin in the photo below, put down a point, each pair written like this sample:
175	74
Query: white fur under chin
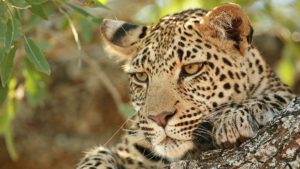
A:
172	151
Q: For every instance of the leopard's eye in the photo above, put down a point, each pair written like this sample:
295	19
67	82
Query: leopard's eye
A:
141	77
192	69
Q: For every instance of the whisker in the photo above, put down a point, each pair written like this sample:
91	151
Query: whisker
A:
119	129
201	136
133	121
152	155
203	132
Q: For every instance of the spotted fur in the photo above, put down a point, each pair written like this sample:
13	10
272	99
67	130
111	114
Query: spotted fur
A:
232	94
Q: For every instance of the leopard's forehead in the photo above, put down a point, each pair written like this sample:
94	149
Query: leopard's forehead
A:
184	16
170	41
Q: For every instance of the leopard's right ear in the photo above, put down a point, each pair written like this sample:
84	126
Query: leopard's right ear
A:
122	37
228	22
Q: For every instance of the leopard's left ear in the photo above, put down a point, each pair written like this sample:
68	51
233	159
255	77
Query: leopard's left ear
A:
122	37
228	21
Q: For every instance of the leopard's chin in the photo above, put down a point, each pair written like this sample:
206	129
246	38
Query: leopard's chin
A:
173	149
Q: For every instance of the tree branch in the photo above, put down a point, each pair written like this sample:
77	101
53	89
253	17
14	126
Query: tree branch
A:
277	145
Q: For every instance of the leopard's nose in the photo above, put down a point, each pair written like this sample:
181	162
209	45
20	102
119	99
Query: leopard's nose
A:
162	118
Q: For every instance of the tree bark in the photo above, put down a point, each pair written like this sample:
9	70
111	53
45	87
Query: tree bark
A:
276	146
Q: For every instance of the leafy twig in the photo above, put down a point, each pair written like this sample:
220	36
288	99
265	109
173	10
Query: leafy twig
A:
74	31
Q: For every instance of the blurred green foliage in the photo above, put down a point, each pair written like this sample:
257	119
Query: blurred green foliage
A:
21	55
24	70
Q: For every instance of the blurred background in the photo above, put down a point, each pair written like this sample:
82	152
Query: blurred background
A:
61	94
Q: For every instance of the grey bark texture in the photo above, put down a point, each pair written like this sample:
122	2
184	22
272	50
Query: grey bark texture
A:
276	146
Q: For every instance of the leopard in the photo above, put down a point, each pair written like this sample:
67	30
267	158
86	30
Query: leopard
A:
196	83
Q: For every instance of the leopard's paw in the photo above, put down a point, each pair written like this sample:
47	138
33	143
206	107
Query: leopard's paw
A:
233	126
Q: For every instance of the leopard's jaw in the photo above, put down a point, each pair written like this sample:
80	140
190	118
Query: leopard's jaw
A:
170	146
173	149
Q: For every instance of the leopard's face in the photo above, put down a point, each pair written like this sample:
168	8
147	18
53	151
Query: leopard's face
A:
178	75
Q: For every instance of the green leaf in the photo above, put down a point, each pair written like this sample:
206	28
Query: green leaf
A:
2	33
19	15
17	29
83	12
9	35
49	8
6	64
2	10
36	2
6	118
8	137
39	10
36	57
80	10
1	54
19	3
3	94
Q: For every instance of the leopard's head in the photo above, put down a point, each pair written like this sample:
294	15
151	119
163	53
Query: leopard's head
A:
180	69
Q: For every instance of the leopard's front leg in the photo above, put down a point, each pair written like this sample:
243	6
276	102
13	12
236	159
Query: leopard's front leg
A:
128	154
98	158
238	121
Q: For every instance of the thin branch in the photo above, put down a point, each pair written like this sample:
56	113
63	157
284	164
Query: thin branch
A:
100	74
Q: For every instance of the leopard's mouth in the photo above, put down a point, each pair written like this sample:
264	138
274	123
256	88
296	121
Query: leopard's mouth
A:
173	149
167	140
